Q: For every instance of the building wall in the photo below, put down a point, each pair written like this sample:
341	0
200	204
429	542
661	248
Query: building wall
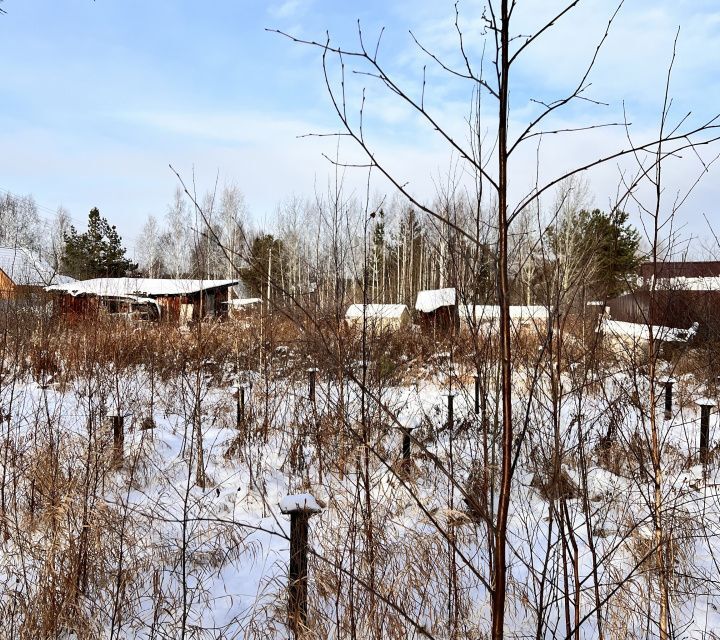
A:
7	286
443	320
203	305
675	309
705	269
380	323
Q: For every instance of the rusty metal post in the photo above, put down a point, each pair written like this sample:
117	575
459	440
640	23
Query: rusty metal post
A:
406	445
668	397
240	406
451	410
300	508
477	393
312	374
118	427
297	570
705	406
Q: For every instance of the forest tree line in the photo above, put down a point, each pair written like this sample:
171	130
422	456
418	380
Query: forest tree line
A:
336	251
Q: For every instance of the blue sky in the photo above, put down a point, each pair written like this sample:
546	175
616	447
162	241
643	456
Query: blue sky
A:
97	98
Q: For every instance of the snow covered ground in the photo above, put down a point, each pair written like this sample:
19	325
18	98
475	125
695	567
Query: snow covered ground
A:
95	549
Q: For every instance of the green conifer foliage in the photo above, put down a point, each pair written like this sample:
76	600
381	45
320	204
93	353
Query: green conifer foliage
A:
97	253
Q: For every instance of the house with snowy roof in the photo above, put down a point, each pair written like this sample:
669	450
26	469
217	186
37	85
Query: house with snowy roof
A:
24	272
378	317
437	310
675	296
172	299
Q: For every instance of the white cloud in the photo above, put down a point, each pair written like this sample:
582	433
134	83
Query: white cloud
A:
121	164
289	8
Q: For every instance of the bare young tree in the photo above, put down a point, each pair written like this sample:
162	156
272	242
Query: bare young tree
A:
492	76
150	248
177	244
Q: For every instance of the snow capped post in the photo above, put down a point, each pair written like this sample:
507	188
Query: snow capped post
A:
312	374
407	426
300	508
668	396
241	400
705	404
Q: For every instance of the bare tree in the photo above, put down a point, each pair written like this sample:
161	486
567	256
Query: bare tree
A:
150	248
491	168
177	241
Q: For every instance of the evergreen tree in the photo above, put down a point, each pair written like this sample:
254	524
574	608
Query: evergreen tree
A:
96	253
617	250
606	239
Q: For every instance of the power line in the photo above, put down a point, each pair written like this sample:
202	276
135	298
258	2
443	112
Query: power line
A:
49	221
37	205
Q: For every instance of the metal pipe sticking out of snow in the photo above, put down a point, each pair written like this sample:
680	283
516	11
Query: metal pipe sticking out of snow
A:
705	404
300	508
668	383
450	409
238	392
406	445
117	421
477	393
312	375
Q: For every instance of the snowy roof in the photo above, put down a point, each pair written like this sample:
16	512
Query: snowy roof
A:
641	332
428	301
300	502
490	313
684	283
379	311
26	268
122	287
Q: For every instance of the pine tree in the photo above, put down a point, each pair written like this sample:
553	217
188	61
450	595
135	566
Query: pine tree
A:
96	253
607	240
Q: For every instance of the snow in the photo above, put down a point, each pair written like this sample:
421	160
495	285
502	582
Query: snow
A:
491	313
685	283
235	543
641	332
26	268
375	311
123	287
430	300
300	502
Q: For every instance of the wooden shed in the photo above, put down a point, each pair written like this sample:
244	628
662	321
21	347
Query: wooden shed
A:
437	310
379	317
177	300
